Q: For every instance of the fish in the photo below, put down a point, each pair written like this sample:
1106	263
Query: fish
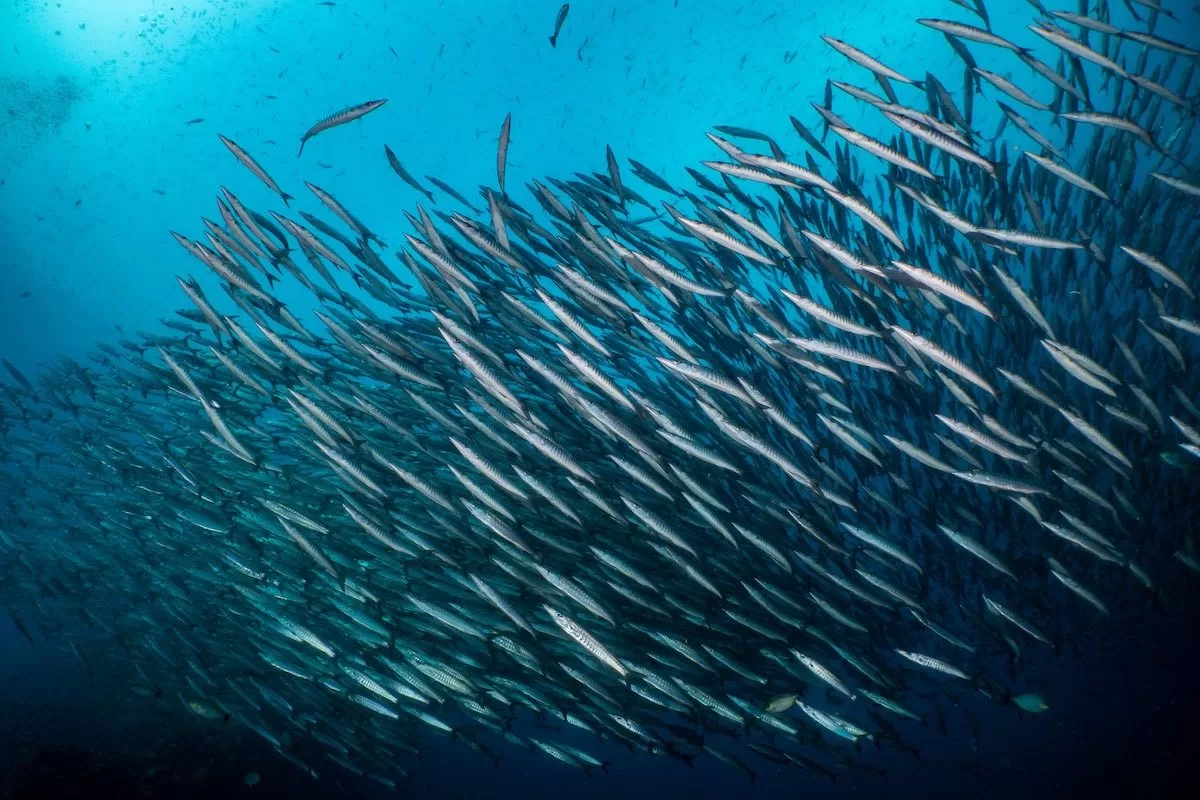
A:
1032	703
502	152
249	163
404	174
18	376
338	118
559	20
19	624
781	703
450	190
863	60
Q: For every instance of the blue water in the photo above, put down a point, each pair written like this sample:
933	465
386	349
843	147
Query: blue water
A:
98	163
86	230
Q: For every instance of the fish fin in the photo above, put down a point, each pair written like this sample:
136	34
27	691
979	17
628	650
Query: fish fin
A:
286	198
303	140
554	41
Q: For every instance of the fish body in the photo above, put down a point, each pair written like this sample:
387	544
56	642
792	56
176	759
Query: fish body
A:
559	20
249	163
338	118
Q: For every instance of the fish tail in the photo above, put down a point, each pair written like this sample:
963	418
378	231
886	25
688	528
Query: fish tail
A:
285	197
554	41
303	141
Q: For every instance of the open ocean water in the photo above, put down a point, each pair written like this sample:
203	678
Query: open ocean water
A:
548	495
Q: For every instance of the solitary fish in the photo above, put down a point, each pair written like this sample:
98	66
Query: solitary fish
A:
399	169
249	163
558	23
1031	703
339	118
502	151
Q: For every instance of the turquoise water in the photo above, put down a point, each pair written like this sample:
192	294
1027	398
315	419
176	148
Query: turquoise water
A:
88	234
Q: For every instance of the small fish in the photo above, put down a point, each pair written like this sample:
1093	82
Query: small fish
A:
404	174
1032	703
502	151
450	190
17	375
614	174
558	23
17	621
249	163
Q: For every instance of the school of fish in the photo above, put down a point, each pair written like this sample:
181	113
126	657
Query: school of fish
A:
797	452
